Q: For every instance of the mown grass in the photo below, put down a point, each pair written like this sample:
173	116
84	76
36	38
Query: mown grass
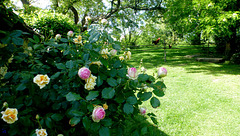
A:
201	98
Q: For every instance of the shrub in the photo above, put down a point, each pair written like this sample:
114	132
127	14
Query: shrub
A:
45	21
43	86
235	58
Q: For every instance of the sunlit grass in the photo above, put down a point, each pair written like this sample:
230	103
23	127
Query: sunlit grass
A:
201	98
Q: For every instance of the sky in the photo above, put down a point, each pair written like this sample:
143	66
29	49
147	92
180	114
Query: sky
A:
44	4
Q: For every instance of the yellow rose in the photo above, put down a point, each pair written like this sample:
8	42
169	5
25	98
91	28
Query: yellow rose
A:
121	58
97	63
41	80
90	82
41	132
10	115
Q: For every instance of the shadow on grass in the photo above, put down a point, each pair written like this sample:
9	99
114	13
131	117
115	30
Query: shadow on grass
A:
178	58
139	126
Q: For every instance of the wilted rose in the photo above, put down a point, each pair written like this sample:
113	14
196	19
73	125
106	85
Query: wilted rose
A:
104	53
98	113
10	115
84	73
113	52
58	37
105	106
142	110
121	58
78	40
70	33
127	55
132	73
41	132
90	82
41	80
99	63
162	72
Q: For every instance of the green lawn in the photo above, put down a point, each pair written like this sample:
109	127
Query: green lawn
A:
201	98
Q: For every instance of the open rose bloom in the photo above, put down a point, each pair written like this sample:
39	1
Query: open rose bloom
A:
132	73
84	73
10	115
78	40
41	132
41	80
162	72
98	113
90	82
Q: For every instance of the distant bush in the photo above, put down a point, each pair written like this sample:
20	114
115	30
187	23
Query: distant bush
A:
235	58
46	21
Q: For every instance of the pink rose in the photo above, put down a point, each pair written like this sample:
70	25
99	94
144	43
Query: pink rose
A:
70	33
132	73
142	111
98	113
84	73
113	52
162	72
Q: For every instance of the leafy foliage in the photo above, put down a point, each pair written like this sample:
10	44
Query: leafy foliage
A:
64	105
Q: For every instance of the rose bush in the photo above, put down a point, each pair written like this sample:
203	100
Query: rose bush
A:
63	88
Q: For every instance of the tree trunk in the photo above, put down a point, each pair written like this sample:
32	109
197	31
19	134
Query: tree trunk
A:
76	18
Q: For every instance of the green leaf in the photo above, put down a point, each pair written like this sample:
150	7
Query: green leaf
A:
113	72
77	113
37	46
8	75
36	38
128	108
158	92
145	96
86	122
104	131
57	117
69	64
116	46
99	81
92	95
73	97
95	126
55	75
155	102
66	52
94	37
112	82
48	122
64	40
17	41
132	100
108	93
21	87
15	33
60	66
154	120
107	122
143	77
75	120
117	64
144	130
